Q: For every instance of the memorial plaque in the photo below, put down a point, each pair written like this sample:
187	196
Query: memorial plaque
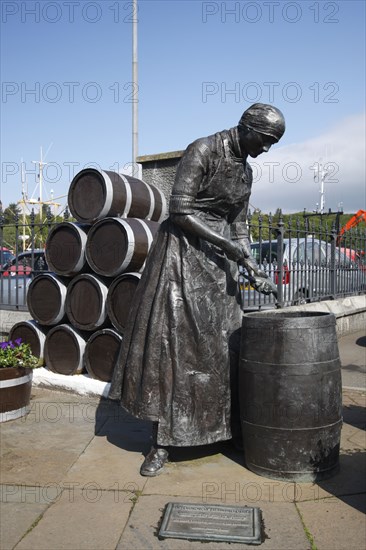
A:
214	522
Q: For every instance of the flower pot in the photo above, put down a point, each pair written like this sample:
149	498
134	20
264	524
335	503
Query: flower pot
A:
15	390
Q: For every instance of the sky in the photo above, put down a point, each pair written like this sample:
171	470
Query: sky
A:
67	87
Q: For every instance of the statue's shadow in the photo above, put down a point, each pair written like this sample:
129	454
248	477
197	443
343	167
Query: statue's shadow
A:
183	454
128	433
122	429
131	434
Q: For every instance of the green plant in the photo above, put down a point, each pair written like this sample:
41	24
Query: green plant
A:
17	354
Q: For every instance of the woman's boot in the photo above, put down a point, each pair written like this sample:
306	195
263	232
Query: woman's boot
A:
154	462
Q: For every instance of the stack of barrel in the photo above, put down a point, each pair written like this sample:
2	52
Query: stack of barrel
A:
80	310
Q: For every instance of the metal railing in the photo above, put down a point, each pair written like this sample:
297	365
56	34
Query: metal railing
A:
22	257
307	263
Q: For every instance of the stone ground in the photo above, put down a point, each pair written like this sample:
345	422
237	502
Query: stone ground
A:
70	479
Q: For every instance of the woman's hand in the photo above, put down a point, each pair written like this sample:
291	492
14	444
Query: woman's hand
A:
239	251
265	285
235	251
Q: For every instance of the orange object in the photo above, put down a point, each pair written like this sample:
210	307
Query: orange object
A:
352	222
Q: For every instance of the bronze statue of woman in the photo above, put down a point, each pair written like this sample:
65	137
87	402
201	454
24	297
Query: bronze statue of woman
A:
179	355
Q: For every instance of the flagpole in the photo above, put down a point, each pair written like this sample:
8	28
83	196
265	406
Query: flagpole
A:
135	84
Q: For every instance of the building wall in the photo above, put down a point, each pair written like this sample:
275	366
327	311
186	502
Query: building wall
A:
160	170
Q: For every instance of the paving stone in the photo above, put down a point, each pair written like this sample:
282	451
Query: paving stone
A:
355	415
353	376
347	400
355	397
352	437
352	348
123	430
16	519
282	527
336	523
352	353
357	439
88	519
349	480
215	477
77	460
113	458
107	465
40	447
27	494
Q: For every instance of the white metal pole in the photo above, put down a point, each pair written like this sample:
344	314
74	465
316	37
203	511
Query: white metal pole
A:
41	185
135	84
321	190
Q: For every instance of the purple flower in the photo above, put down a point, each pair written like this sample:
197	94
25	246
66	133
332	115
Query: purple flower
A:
11	345
18	341
3	345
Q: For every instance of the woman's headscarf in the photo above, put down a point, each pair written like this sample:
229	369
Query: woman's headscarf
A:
265	119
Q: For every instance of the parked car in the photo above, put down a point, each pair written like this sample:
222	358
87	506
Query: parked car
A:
355	256
307	271
6	256
17	274
25	263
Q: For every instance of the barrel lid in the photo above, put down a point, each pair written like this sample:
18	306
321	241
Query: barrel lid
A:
48	311
119	299
109	240
289	318
31	333
101	354
64	350
65	248
87	195
85	302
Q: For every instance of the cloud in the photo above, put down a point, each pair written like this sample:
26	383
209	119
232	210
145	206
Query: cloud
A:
283	178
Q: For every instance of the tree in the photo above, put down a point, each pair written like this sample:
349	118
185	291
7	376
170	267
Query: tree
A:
11	212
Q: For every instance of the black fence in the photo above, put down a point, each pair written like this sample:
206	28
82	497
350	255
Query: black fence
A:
307	261
22	254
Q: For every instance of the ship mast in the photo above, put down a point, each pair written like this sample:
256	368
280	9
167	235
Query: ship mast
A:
27	202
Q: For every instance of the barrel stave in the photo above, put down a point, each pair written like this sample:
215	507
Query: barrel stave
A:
96	194
15	391
118	245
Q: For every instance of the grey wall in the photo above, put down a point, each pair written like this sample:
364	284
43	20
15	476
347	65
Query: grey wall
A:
350	312
160	170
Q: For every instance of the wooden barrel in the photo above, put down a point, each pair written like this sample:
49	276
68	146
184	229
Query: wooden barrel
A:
15	391
118	245
64	350
46	299
85	302
291	395
96	194
65	248
101	353
31	333
119	299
